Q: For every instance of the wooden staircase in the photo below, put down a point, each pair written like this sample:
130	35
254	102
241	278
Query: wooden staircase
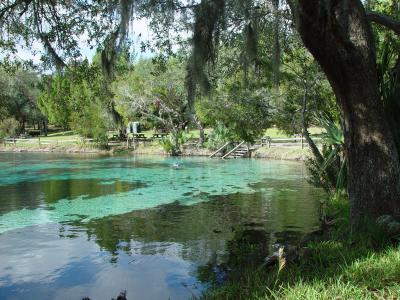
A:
219	149
240	151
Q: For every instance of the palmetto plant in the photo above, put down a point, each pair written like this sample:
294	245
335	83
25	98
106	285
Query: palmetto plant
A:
219	136
329	172
333	151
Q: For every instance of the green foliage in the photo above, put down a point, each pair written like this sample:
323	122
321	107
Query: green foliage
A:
91	123
219	136
8	127
59	26
389	82
18	96
169	146
304	90
155	97
173	143
243	106
75	99
136	82
54	100
334	158
245	114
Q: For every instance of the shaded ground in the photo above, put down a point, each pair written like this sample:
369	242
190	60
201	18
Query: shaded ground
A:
337	266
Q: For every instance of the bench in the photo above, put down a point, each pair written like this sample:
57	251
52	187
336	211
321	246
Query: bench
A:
34	132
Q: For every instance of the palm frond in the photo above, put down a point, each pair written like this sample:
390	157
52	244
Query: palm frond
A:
333	134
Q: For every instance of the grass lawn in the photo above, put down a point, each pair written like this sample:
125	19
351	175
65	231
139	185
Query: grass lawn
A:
276	133
271	132
71	138
336	270
63	135
62	138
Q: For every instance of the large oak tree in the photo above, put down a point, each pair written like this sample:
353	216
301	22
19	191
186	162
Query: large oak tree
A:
339	36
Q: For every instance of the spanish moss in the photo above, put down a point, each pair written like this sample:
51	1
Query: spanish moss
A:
209	16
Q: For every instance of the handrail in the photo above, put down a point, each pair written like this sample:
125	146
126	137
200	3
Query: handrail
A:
292	139
51	141
234	149
226	144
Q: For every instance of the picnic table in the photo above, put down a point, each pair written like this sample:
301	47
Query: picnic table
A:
139	135
160	135
117	137
34	132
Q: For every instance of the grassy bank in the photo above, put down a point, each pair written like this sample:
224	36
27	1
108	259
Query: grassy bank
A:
338	265
278	153
286	153
70	143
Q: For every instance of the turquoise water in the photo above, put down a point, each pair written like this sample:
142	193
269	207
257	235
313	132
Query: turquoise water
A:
75	226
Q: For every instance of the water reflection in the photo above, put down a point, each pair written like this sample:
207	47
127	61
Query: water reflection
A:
204	228
57	268
170	232
246	250
33	194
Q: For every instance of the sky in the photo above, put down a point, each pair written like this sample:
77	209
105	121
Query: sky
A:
139	30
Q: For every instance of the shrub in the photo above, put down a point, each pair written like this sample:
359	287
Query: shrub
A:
8	127
173	144
91	123
218	137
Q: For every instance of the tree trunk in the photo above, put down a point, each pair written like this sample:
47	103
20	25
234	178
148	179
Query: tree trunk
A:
313	147
45	129
22	126
176	147
338	35
200	126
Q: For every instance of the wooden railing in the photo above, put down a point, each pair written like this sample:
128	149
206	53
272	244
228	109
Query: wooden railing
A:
267	141
41	141
219	150
233	150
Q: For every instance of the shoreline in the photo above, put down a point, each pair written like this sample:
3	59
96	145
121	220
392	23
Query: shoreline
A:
276	153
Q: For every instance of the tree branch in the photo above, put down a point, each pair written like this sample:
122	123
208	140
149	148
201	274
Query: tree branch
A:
9	8
384	20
